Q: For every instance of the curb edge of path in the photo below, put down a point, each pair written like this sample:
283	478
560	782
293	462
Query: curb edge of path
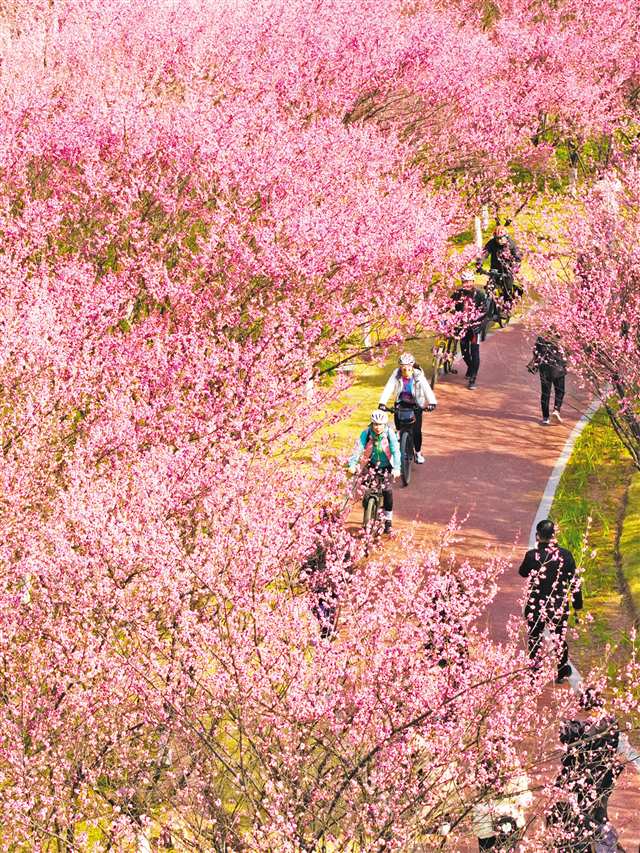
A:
575	679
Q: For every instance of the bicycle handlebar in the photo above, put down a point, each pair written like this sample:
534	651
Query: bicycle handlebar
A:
395	407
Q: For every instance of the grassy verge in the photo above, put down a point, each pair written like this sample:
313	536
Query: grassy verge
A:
588	510
630	543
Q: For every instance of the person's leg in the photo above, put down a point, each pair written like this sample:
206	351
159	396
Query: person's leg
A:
507	295
558	393
387	506
417	431
464	349
535	628
486	843
451	350
474	351
560	631
545	392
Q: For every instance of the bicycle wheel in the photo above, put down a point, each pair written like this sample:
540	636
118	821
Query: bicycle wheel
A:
406	457
435	370
450	354
370	512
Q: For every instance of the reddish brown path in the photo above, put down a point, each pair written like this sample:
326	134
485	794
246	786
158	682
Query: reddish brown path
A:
488	458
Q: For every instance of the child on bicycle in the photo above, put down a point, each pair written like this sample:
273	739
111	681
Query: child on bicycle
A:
377	449
408	384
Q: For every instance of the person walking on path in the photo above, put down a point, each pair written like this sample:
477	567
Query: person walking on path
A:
551	571
472	302
590	764
408	384
550	361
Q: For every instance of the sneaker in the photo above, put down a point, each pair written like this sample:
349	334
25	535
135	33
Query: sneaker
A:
472	385
544	422
419	458
387	527
556	414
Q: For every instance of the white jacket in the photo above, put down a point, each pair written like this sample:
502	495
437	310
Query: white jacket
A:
422	391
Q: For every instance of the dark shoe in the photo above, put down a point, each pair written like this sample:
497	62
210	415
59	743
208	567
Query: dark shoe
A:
472	384
544	422
387	527
452	370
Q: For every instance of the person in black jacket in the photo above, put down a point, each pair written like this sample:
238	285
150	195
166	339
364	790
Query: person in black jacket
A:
590	764
505	260
549	359
472	303
551	572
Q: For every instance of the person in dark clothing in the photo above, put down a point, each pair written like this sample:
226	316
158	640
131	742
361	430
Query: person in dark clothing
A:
332	547
590	764
550	360
505	260
570	831
471	301
551	572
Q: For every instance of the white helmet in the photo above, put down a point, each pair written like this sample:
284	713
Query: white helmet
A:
379	417
406	358
467	275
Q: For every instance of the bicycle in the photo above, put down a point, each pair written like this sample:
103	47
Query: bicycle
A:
374	481
444	353
405	414
502	292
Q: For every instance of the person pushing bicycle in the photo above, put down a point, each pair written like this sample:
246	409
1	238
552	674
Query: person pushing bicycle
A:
473	304
505	260
408	384
378	450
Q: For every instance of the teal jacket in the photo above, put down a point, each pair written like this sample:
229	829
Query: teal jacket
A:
382	450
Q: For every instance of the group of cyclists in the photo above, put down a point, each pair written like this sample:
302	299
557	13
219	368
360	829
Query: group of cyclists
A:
384	453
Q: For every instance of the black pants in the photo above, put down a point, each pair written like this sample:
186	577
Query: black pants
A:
548	379
417	430
387	494
486	843
556	623
470	349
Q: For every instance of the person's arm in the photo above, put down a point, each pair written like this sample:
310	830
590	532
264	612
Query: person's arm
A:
576	584
394	446
527	564
484	254
356	456
427	390
540	351
388	389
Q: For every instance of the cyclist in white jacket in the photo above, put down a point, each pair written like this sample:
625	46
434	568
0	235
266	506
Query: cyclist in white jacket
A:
408	384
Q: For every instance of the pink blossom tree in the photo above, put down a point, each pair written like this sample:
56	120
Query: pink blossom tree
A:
592	298
195	218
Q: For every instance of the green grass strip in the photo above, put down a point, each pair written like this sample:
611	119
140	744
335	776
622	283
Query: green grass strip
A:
630	542
588	510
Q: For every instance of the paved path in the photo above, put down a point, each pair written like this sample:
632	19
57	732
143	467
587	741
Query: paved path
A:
488	458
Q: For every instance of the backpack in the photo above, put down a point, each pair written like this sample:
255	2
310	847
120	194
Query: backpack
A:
551	358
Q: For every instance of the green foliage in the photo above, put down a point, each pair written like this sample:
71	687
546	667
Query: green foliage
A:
630	542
